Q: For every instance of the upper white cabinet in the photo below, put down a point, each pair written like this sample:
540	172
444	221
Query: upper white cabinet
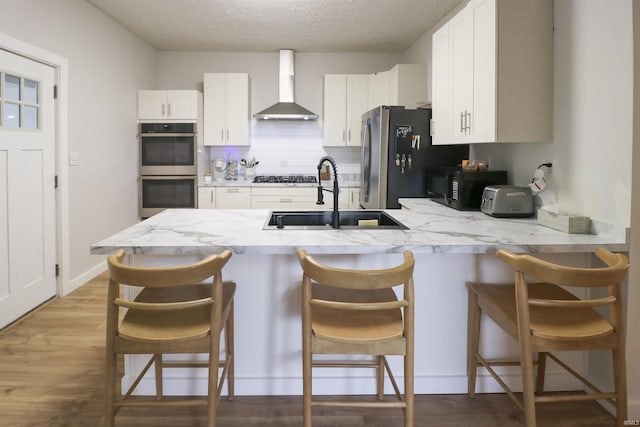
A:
461	37
493	73
226	109
378	89
442	127
404	84
168	104
348	96
345	100
408	85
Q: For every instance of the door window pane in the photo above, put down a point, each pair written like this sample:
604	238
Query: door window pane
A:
11	113
30	117
11	87
19	102
30	92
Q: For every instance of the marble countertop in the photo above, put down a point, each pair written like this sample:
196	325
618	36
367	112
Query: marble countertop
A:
433	228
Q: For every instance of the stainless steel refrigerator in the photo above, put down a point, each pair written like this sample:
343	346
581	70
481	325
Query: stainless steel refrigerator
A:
396	151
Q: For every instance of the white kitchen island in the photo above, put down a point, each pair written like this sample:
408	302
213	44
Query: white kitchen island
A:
450	248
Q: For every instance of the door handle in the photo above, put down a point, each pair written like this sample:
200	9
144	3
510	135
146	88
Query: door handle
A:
365	161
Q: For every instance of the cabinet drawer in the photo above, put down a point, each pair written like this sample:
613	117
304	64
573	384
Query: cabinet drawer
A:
233	198
277	192
284	197
284	202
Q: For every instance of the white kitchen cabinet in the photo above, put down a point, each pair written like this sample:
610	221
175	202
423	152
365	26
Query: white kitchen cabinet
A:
206	197
169	105
349	198
226	109
233	197
354	198
408	85
345	100
461	37
378	89
495	84
441	125
404	84
287	198
343	199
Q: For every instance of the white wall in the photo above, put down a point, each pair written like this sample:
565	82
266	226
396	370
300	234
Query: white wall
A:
593	76
284	147
106	66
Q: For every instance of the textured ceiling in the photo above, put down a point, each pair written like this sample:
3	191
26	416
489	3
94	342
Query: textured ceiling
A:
269	25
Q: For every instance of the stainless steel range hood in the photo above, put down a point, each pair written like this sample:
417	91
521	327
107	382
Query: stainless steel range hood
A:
286	108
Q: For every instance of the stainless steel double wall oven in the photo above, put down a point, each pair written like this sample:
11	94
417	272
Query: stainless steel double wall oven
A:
168	167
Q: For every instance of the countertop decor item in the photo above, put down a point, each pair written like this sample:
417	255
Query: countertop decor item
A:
231	169
558	219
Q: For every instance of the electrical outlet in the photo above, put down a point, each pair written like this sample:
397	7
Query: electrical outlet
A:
74	158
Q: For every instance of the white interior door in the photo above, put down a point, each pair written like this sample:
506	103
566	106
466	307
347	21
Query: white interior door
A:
27	193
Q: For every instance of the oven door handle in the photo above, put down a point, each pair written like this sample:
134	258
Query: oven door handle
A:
156	135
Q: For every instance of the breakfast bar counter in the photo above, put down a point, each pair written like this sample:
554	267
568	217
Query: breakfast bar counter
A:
450	247
432	228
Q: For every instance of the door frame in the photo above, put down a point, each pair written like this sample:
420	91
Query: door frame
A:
60	66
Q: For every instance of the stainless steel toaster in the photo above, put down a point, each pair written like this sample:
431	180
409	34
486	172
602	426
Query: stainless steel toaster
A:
507	201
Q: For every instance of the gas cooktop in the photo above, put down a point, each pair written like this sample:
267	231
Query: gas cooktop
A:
285	179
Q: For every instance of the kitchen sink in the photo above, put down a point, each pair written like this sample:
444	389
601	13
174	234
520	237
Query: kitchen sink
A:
320	220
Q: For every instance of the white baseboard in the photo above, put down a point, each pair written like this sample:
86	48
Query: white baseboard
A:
83	278
284	386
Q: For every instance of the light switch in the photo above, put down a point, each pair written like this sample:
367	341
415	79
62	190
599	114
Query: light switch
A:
74	158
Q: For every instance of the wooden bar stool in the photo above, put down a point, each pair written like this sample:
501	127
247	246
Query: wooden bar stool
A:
173	314
544	317
357	312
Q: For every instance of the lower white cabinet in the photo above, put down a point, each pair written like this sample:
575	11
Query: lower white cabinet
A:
349	198
285	198
354	198
233	197
206	197
275	198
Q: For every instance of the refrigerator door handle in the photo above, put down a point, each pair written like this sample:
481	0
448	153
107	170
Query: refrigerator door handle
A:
365	161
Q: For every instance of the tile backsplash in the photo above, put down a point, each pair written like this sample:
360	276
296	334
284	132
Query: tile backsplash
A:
285	147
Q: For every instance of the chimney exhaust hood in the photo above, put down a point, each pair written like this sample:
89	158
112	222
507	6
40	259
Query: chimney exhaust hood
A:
286	108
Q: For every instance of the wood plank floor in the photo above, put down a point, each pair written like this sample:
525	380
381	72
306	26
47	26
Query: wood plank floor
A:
51	374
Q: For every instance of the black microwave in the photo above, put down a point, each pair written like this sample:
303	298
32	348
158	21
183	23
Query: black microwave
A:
461	189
